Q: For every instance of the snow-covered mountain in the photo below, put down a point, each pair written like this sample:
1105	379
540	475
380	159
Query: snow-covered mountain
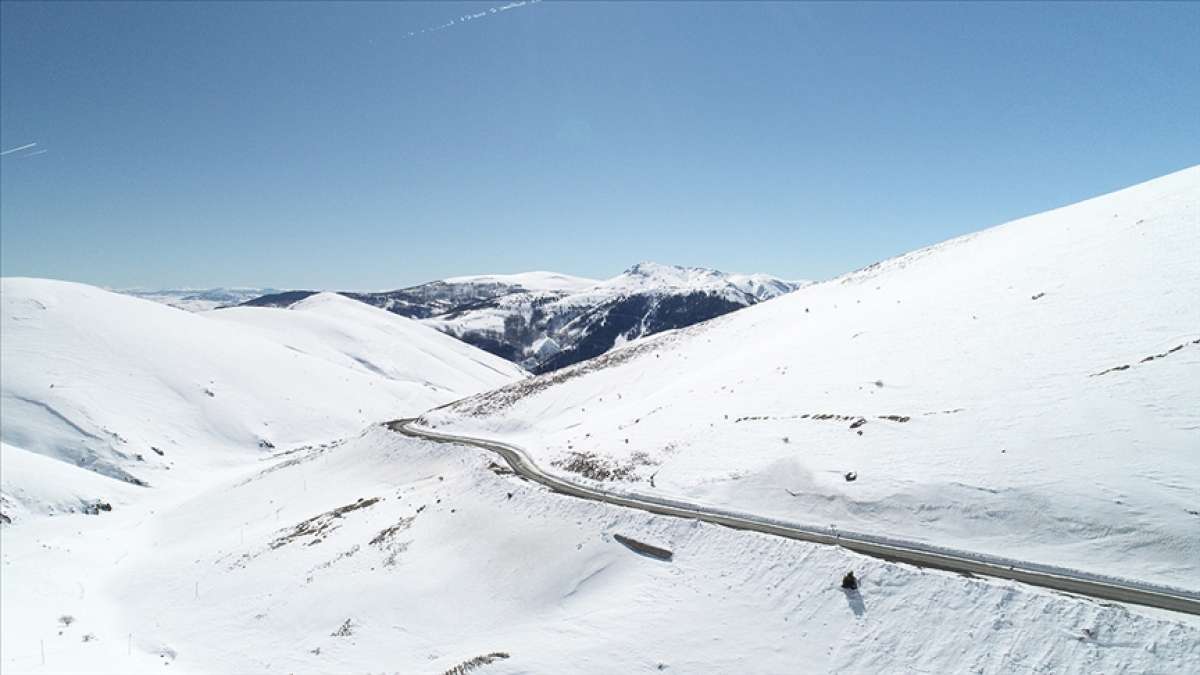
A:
545	321
199	300
145	394
1031	390
351	548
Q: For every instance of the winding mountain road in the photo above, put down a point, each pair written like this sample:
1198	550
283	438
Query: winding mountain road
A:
913	553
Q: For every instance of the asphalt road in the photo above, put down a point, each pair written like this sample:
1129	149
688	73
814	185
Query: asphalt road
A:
913	553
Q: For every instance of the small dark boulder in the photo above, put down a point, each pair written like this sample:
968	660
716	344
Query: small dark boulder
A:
851	476
849	582
94	508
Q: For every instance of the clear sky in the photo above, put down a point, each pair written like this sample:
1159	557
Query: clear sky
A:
323	146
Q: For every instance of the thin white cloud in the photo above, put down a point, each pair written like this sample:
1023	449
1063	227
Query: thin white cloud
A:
491	11
18	149
36	153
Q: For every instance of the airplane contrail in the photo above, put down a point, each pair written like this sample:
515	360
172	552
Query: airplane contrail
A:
472	17
23	147
36	153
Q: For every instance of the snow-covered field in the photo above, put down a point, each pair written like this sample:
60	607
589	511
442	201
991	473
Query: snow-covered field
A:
1032	391
386	554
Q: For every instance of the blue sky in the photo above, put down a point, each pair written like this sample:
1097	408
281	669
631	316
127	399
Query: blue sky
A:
321	146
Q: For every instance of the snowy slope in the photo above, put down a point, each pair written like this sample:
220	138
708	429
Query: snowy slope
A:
373	341
385	554
147	394
1030	390
33	484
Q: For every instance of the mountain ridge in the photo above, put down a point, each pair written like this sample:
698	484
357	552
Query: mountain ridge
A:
546	320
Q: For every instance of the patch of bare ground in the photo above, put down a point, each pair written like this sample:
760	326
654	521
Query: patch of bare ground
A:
330	563
596	467
386	540
321	525
1147	359
476	663
855	421
807	416
498	469
295	456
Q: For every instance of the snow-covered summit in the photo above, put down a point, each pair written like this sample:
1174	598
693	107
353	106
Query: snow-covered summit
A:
531	281
656	276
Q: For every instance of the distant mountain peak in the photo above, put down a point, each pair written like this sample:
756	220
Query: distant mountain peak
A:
649	267
547	320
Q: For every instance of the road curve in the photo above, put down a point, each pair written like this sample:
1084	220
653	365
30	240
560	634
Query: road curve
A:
913	553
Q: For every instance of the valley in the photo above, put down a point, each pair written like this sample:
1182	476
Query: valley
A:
228	490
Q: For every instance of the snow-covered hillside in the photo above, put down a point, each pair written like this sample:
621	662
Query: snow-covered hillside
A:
142	393
545	320
359	337
385	554
1030	390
